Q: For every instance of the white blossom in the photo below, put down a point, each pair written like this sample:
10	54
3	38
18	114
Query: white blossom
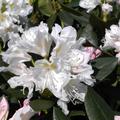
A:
89	4
10	16
107	8
48	77
66	72
36	40
112	37
15	55
18	7
26	80
64	40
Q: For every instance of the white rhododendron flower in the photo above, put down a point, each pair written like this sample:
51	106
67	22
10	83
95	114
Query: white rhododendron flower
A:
89	4
76	62
24	113
112	39
36	40
107	8
64	39
14	54
18	7
63	69
25	79
9	16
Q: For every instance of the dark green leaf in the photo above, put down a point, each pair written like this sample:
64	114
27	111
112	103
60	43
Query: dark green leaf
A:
46	7
70	10
58	114
90	35
41	104
98	25
96	107
74	3
14	94
51	20
64	17
105	65
81	19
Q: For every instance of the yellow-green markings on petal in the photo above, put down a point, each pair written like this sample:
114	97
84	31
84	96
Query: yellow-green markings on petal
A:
2	17
12	6
49	66
33	62
3	8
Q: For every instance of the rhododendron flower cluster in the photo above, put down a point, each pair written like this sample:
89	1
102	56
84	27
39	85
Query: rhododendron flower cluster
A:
64	71
55	55
112	39
92	4
9	16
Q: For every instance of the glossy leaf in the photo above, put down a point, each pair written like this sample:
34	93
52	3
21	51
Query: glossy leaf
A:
106	65
51	20
64	17
90	35
46	7
41	104
70	10
58	114
96	107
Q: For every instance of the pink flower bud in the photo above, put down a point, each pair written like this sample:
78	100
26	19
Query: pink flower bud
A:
116	117
94	53
4	109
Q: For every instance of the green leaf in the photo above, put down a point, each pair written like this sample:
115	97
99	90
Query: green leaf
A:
90	35
58	114
74	3
105	65
14	94
83	20
70	10
96	107
64	17
46	8
51	20
98	25
41	104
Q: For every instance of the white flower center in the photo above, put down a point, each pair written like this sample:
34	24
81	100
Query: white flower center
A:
49	66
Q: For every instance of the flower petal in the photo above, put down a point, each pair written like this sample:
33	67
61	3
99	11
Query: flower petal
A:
4	109
36	40
24	113
89	4
15	55
23	80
